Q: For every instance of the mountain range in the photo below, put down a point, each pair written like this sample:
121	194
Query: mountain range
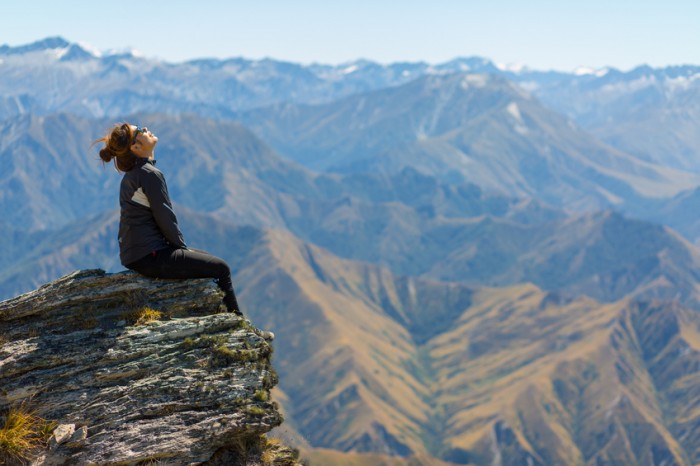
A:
413	223
465	127
622	108
463	264
56	75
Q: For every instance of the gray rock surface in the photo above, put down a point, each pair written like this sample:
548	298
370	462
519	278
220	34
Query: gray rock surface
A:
180	389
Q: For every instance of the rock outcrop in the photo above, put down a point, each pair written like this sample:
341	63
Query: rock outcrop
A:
139	371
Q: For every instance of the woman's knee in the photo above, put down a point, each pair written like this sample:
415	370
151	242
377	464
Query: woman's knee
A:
194	264
221	268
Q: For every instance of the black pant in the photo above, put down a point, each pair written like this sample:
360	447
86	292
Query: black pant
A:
188	263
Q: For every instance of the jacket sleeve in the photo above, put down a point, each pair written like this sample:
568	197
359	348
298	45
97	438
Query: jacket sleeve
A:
157	192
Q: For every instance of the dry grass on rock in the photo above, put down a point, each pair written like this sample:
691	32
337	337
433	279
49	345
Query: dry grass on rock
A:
143	316
21	434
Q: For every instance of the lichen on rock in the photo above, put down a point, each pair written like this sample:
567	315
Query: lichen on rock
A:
181	386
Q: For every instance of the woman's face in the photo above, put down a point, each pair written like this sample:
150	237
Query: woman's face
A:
144	140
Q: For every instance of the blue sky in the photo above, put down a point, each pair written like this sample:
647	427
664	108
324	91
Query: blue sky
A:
542	34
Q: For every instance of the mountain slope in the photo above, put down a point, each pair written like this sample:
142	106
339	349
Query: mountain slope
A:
86	244
603	255
485	365
476	128
680	214
49	172
50	167
211	166
650	113
549	382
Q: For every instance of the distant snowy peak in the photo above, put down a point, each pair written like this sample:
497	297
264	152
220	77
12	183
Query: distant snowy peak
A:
91	49
123	52
60	49
468	64
587	71
50	43
52	48
75	52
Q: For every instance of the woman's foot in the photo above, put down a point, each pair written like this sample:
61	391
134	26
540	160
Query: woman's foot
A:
230	297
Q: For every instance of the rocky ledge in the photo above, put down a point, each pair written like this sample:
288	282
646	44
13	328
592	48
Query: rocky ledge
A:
130	370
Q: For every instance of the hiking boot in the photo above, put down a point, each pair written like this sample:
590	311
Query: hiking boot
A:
231	303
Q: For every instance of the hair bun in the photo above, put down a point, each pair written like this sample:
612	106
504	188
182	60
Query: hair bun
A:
117	147
106	155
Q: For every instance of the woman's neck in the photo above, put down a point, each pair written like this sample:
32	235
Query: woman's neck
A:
147	155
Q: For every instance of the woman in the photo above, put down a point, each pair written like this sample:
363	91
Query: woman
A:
150	241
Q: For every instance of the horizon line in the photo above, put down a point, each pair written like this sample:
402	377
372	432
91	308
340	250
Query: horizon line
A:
513	67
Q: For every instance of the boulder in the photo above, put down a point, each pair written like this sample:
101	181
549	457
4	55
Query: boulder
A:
134	370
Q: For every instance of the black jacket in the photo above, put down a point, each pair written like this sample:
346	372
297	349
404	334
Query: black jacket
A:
147	222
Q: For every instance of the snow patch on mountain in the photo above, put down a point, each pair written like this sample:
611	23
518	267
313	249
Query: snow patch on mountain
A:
586	71
127	51
514	111
58	53
475	80
91	49
622	87
681	83
529	86
512	67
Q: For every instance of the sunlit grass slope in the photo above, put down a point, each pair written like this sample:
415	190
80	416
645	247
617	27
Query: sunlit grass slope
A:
557	382
340	357
371	362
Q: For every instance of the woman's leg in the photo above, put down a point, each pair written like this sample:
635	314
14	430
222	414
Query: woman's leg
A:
187	263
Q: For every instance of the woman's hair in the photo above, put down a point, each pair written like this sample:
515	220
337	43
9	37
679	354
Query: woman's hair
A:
118	147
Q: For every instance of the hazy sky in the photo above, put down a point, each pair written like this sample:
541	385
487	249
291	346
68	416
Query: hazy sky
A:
542	34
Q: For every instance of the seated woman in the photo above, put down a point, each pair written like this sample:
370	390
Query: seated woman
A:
150	241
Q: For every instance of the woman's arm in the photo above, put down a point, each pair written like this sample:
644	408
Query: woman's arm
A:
157	192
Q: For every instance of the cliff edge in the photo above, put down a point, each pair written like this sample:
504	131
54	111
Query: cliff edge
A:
127	370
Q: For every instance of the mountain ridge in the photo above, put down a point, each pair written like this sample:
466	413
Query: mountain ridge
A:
315	83
470	128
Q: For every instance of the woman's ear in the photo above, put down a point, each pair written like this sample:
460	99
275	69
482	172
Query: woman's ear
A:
136	147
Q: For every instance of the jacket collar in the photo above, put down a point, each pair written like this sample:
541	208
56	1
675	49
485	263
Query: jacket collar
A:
140	161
